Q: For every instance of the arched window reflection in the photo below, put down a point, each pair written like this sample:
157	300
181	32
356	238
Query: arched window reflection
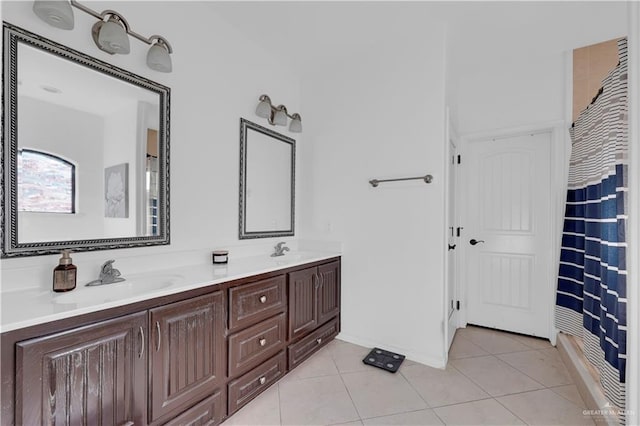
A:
46	183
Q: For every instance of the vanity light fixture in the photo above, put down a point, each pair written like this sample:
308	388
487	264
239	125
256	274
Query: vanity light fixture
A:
111	32
277	115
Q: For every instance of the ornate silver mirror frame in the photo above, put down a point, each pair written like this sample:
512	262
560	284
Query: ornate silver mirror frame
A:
267	182
12	245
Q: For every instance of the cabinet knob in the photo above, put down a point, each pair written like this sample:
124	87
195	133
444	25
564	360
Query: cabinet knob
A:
263	299
319	340
263	342
263	380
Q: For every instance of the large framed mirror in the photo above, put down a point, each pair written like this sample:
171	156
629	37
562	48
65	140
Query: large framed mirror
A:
85	151
267	182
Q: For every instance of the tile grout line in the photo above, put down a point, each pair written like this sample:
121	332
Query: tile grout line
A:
355	407
507	408
567	399
516	368
279	404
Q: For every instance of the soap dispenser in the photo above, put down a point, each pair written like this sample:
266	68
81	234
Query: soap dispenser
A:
64	275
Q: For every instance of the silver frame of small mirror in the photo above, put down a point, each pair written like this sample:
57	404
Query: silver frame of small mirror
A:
11	247
243	233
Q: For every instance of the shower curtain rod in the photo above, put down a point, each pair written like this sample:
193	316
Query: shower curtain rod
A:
426	179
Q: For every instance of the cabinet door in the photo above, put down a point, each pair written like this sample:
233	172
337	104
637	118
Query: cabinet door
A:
187	355
328	291
303	291
90	375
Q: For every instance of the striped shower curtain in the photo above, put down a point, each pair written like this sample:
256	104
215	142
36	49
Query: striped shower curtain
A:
591	299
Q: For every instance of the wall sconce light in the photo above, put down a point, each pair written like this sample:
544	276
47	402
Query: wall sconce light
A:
111	32
277	115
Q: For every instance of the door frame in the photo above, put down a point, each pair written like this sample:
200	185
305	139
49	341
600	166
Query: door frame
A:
451	137
559	165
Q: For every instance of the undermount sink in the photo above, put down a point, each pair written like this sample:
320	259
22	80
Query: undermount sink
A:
108	292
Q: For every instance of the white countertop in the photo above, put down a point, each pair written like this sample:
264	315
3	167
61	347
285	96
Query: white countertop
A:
24	308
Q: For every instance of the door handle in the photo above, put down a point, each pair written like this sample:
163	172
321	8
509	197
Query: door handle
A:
473	241
141	342
451	247
158	335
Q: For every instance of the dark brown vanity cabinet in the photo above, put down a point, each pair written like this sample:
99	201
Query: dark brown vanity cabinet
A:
258	336
314	298
186	353
191	358
314	308
92	375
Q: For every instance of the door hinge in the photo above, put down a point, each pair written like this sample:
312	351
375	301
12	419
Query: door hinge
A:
457	305
459	159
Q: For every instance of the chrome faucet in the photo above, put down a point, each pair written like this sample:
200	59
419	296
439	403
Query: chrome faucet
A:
280	248
108	275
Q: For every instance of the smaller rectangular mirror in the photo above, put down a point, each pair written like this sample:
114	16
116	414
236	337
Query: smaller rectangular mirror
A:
267	182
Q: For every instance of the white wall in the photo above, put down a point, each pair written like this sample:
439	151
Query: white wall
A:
217	78
121	147
508	63
380	114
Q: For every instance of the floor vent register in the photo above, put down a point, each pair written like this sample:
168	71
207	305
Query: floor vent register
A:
384	359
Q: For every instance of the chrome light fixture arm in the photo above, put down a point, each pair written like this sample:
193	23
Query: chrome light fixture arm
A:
54	12
106	13
266	110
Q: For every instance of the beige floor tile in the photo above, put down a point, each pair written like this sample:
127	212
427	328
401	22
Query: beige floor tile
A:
442	387
544	366
543	407
532	342
464	348
318	365
570	393
378	393
485	412
262	411
494	341
316	401
348	357
356	423
495	376
412	418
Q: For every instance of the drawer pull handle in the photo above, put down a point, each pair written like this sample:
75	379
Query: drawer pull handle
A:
263	342
263	380
319	340
263	299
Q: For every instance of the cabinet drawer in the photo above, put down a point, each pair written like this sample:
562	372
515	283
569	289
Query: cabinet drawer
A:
254	345
300	351
209	412
251	303
247	387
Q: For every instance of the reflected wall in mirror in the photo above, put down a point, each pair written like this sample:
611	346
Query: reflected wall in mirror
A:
69	119
267	182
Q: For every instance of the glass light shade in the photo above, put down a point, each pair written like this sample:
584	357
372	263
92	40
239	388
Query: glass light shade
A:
55	13
113	38
296	124
263	109
158	58
280	118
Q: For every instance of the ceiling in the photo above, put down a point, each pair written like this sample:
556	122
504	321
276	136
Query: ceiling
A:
305	34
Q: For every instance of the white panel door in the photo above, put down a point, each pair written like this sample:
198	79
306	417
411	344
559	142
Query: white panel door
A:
508	216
